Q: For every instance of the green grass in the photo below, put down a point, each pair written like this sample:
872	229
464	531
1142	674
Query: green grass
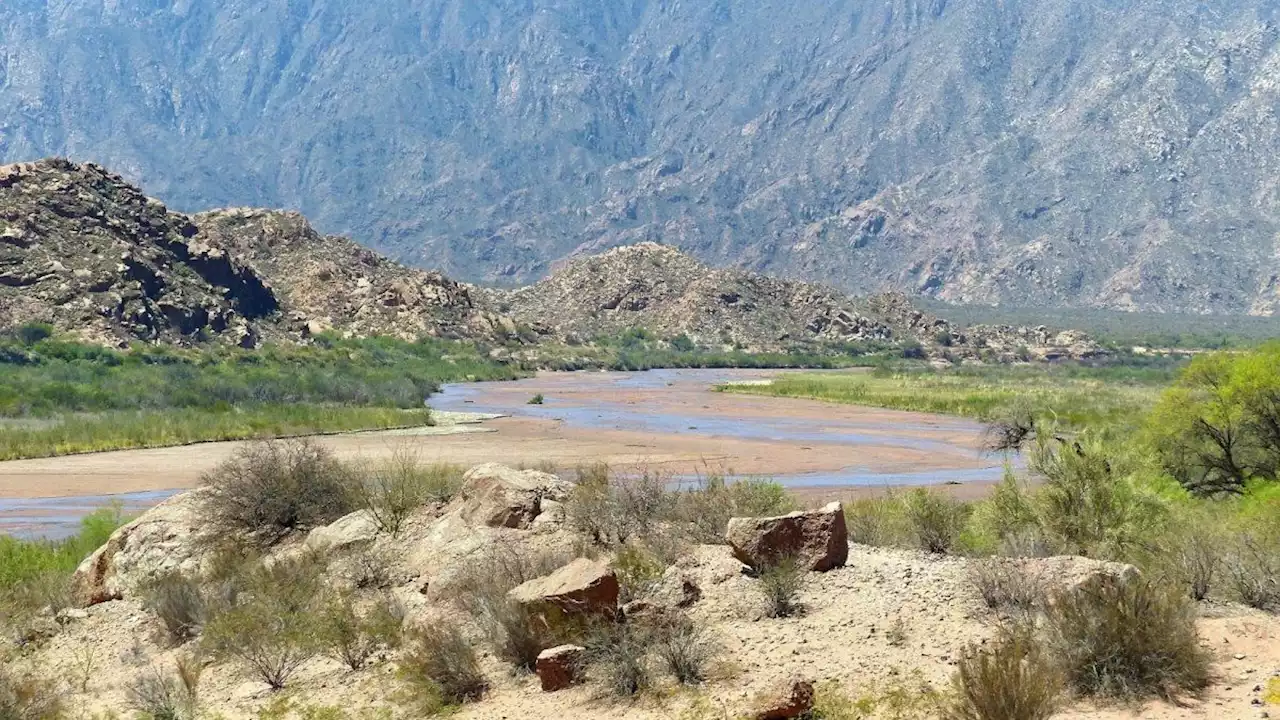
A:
1075	396
22	561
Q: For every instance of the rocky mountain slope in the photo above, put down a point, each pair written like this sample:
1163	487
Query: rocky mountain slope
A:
1045	152
89	253
671	294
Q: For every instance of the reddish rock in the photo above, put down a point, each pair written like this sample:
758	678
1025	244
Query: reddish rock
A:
560	667
792	700
583	587
817	538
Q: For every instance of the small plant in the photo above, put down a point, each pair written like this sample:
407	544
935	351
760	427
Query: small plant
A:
685	649
620	654
875	522
1127	639
936	521
353	638
393	489
84	667
440	669
638	570
1195	561
780	585
707	508
536	399
180	603
896	635
1010	679
270	489
160	696
1004	585
28	698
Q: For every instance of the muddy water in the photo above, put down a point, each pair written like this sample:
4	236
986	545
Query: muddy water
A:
669	420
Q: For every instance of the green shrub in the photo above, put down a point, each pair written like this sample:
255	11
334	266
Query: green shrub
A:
352	637
537	399
780	585
1127	639
936	521
28	698
707	508
610	510
393	489
439	669
268	490
876	522
1010	679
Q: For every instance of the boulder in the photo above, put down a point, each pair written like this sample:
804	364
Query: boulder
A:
583	587
498	496
167	538
560	667
817	538
1064	574
792	699
358	528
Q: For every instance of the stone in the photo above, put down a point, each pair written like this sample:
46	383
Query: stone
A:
1067	573
560	667
792	699
818	539
358	528
495	495
163	540
583	587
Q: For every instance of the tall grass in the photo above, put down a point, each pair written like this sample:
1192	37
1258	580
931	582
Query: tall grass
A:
22	561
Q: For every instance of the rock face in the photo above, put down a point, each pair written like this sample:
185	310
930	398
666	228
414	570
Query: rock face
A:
165	539
1049	150
355	530
560	667
498	496
583	587
791	700
818	539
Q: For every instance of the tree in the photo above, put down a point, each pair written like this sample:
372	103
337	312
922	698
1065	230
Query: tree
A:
1219	425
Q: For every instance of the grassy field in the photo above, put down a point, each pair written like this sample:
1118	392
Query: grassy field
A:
1074	396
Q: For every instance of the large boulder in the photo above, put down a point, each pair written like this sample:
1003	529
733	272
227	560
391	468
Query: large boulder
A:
792	699
818	539
354	530
495	495
167	538
583	587
560	667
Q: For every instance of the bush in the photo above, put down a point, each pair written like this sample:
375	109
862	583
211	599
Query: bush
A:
392	489
1253	567
1127	639
609	511
440	669
1004	585
620	652
28	698
351	637
780	585
684	649
181	604
273	630
936	521
876	522
639	566
707	508
537	399
1192	559
1010	679
160	696
271	489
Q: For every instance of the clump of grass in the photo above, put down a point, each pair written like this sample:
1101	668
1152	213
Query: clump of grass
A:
270	489
619	653
28	698
439	669
640	565
705	510
936	521
1010	679
272	630
876	522
1127	639
780	584
685	649
391	490
610	510
158	695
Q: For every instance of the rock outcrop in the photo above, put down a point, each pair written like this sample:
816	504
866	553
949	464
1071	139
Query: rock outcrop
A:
583	587
817	539
498	496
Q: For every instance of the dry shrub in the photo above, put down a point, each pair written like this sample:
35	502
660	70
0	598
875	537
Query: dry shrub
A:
684	648
780	585
392	489
1253	567
270	489
876	522
1127	639
936	521
640	565
439	669
158	695
1010	679
1193	559
182	604
619	653
352	637
1005	585
28	698
611	510
273	629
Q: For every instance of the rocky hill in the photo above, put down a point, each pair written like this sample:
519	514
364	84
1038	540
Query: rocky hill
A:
1042	152
82	249
671	294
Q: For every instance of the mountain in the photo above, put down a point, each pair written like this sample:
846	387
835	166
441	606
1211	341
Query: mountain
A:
87	252
1115	153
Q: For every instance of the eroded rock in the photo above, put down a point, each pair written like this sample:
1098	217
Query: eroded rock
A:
560	667
818	539
583	587
499	496
792	699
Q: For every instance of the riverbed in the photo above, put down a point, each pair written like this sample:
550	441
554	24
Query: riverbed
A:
666	421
